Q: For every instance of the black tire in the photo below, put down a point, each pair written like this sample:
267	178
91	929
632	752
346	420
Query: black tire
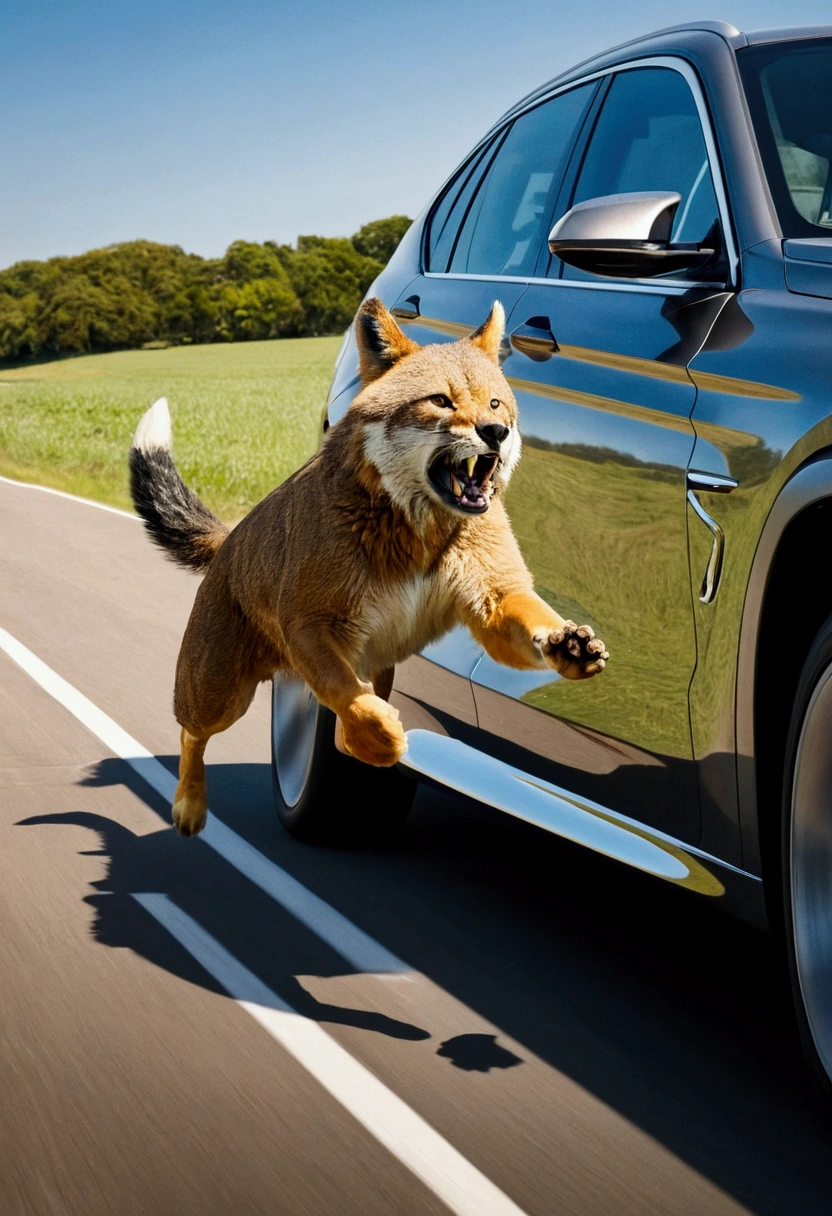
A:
322	796
807	857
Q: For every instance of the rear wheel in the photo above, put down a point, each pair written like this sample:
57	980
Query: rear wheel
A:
807	854
321	795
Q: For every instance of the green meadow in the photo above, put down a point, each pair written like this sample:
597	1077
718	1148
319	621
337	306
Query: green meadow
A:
245	416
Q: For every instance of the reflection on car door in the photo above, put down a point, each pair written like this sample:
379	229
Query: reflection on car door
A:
483	240
598	500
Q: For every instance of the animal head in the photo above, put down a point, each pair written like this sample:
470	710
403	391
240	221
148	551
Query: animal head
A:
439	422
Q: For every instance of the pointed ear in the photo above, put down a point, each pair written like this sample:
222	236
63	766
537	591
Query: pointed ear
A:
380	341
490	334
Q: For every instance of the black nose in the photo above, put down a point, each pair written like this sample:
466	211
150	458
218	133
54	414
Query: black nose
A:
493	434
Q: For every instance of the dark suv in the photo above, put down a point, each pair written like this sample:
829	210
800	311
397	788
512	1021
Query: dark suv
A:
657	223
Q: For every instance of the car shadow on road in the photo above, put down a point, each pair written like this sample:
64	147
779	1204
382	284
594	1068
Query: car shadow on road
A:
671	1014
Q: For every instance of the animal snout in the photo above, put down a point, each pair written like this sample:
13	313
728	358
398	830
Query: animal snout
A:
493	434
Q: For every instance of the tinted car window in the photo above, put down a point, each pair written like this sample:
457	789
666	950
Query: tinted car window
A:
789	90
505	227
452	209
649	137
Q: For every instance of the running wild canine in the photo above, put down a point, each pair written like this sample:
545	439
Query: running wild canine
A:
393	533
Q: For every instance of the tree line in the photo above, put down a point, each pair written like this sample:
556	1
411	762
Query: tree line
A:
140	293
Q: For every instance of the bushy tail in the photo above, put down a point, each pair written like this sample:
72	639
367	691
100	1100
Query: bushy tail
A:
174	517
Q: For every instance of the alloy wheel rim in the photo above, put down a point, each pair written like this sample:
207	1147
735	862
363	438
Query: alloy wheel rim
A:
294	722
811	866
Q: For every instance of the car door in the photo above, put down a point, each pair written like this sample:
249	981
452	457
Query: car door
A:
482	243
598	501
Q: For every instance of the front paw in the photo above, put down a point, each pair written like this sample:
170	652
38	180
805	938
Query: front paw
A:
371	731
574	651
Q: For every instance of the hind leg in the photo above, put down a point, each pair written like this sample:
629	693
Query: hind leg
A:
190	803
219	667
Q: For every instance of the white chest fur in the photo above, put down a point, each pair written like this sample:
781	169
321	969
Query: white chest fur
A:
403	619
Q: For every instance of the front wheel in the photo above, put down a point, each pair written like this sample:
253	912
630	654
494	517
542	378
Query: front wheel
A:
807	856
321	795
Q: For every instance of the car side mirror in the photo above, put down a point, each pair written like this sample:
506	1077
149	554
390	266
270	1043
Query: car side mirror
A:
625	236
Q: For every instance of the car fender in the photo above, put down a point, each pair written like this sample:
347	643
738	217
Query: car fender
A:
809	485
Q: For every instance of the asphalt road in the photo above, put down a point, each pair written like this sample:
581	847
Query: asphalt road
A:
573	1037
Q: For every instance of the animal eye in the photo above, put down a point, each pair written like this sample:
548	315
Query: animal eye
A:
441	400
495	404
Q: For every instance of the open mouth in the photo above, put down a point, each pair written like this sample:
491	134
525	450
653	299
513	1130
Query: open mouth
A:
466	485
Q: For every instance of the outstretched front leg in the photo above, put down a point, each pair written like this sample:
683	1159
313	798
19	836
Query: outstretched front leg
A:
368	727
519	629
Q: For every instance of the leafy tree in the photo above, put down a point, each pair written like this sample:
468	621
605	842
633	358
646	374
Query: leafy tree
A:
192	315
139	291
19	334
380	238
256	298
262	308
80	316
245	261
330	277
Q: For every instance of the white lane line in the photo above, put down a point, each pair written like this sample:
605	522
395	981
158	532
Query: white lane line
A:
407	1136
89	502
360	950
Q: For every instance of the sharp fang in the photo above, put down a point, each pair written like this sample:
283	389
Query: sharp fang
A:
471	463
456	487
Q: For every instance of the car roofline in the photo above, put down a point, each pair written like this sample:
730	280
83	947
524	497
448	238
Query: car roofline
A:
729	33
736	39
788	33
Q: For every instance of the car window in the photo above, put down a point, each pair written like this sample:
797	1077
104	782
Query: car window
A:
445	221
649	137
506	224
789	90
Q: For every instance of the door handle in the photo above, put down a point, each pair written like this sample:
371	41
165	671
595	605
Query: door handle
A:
535	339
408	310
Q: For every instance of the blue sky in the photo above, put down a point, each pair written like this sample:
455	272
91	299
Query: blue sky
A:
200	123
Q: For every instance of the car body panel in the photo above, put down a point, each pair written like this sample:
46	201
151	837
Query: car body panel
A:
650	381
758	418
598	506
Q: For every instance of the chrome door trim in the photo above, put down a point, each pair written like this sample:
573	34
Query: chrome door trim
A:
711	483
713	570
663	287
476	775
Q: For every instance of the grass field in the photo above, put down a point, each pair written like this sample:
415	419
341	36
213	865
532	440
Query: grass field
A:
244	417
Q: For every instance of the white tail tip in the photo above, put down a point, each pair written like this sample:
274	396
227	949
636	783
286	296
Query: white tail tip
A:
154	430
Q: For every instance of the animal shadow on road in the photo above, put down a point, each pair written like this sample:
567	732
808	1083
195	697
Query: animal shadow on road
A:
257	931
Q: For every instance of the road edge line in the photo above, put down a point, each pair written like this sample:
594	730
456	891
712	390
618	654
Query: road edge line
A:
358	948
